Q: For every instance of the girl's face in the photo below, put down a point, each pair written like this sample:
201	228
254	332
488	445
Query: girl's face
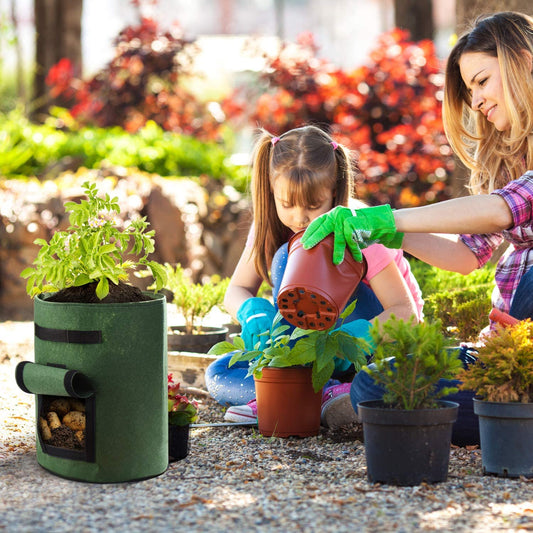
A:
298	217
482	77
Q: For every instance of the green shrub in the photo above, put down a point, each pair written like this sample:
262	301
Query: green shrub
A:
28	149
504	369
462	303
421	359
432	279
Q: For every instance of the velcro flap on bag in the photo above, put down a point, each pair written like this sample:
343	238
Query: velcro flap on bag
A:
35	378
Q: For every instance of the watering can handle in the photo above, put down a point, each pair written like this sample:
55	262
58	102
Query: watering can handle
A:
502	318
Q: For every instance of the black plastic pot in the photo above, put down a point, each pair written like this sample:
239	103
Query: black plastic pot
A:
198	342
407	448
178	442
506	433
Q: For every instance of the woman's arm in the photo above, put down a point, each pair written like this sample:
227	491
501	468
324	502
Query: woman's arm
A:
244	283
443	251
482	213
392	291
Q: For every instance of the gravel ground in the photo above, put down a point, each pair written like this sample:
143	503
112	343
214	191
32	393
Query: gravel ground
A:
235	479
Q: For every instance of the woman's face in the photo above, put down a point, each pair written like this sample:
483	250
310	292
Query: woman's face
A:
482	77
298	217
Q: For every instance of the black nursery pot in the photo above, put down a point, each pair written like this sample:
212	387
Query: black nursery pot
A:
178	442
180	341
407	448
506	433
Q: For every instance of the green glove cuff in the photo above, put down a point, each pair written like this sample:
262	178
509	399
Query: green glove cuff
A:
394	242
371	225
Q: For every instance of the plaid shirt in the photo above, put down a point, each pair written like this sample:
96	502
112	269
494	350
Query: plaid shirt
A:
518	258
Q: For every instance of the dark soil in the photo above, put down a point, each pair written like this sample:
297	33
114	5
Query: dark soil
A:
63	437
120	293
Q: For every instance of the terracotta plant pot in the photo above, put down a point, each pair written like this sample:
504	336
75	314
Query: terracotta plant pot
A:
314	291
287	405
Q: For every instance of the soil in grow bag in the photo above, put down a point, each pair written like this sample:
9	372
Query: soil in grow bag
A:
65	426
62	422
120	293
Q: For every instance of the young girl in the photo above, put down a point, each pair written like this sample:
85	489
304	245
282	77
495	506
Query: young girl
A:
295	178
488	118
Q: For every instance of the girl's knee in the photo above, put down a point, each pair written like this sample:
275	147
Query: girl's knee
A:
229	385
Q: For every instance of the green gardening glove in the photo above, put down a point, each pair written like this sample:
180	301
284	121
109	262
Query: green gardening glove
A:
355	228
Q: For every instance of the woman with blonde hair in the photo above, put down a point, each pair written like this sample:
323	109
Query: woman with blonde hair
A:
488	119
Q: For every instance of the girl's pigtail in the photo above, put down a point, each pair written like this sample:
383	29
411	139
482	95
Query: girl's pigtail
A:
262	204
345	168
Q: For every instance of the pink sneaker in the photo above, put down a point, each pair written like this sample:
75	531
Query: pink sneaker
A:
337	410
242	413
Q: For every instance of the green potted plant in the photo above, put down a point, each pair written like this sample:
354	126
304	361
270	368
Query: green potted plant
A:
292	370
101	340
408	433
503	380
90	261
194	301
182	412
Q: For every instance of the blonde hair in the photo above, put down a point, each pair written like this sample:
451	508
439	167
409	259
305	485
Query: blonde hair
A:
311	161
494	157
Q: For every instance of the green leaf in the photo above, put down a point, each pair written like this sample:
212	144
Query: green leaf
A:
107	248
239	343
243	356
102	289
320	378
324	351
29	285
221	348
348	310
27	272
82	279
159	273
279	330
353	349
303	352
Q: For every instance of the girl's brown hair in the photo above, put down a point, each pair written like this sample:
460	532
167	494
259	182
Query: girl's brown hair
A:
312	161
494	157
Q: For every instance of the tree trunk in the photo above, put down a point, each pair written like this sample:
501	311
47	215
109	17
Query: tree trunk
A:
21	85
415	16
58	30
466	11
279	8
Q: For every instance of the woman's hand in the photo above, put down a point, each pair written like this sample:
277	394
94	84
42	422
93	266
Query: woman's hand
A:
355	228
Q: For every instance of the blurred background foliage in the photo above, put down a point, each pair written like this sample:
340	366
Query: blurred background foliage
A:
149	108
138	110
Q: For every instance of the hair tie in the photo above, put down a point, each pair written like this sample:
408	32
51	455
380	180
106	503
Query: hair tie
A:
334	144
274	140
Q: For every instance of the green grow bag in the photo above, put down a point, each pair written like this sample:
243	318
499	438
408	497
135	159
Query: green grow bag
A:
111	359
